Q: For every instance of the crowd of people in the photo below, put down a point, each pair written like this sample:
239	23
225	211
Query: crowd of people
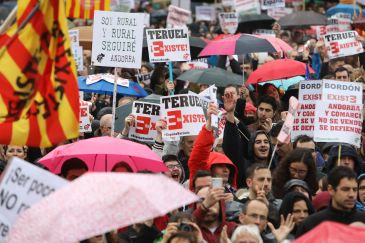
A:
248	191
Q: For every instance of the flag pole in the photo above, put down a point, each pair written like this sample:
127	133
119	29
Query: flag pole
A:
9	20
114	101
171	77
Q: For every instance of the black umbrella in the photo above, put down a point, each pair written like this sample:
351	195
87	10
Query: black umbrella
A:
210	76
250	22
302	18
196	46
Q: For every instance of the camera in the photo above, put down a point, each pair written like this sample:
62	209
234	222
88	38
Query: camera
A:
185	227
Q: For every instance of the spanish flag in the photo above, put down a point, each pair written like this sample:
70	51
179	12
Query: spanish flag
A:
39	101
84	9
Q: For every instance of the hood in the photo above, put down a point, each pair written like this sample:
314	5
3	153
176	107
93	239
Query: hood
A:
346	150
219	158
251	143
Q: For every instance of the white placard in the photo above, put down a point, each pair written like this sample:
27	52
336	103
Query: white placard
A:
342	44
247	7
201	63
184	115
264	32
338	122
342	92
94	78
228	22
227	3
166	45
177	16
146	115
270	4
77	52
310	91
117	39
147	19
185	4
85	124
286	130
205	13
74	37
22	185
277	13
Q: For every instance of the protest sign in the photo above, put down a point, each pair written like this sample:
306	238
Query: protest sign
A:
117	39
184	115
185	4
264	32
342	44
270	4
145	78
74	37
201	63
309	93
146	115
344	92
284	134
85	124
167	45
277	13
247	7
77	52
228	22
147	19
22	185
177	16
338	116
336	122
205	13
106	77
227	3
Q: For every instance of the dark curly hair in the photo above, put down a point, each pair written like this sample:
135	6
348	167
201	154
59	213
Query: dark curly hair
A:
282	173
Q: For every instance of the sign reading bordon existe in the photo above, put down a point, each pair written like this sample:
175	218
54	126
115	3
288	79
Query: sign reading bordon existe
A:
145	117
338	116
168	45
117	39
342	44
183	114
22	185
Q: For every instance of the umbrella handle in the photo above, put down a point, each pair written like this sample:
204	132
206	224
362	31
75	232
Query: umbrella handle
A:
171	77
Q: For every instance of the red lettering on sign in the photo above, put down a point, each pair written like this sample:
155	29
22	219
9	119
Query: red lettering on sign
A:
174	120
83	111
143	124
334	47
158	49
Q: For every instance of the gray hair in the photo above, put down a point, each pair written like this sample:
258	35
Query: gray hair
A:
251	229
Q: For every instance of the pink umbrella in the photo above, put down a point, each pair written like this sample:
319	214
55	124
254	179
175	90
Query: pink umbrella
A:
278	44
97	203
102	153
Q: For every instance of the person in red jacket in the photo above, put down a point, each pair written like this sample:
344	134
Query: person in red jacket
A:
201	157
210	214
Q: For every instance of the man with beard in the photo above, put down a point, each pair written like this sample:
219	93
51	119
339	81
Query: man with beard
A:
259	186
360	204
175	169
342	186
210	214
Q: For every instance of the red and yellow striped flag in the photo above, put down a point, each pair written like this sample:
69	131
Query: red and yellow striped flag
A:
84	9
39	101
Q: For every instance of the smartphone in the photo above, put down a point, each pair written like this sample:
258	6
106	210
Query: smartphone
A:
217	182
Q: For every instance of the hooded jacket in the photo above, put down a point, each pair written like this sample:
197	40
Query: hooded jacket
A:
201	157
346	150
215	236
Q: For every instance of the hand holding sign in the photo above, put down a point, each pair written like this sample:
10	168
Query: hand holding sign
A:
128	122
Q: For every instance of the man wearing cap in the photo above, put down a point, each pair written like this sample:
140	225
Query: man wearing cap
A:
342	186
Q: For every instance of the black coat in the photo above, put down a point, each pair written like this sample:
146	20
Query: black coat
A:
330	214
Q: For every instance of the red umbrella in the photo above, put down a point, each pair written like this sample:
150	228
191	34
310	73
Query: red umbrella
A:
102	153
328	232
243	44
278	69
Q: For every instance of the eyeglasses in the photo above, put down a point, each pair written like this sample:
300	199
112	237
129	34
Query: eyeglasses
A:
177	166
256	216
295	171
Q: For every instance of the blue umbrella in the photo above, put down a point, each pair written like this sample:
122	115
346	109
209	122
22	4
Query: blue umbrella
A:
344	8
105	87
284	85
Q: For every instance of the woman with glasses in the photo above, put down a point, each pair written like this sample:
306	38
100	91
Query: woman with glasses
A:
298	164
